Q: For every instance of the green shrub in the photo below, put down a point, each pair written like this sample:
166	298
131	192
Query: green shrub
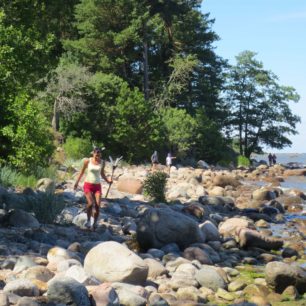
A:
45	206
243	161
76	148
154	186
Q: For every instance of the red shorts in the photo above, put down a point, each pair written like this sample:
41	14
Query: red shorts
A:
92	188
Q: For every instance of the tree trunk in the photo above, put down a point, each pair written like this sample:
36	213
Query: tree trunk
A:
55	118
145	67
240	130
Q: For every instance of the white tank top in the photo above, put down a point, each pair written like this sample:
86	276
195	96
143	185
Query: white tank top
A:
93	175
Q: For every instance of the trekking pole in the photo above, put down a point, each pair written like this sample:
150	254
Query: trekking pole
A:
114	166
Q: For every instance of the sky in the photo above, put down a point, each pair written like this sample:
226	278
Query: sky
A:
276	31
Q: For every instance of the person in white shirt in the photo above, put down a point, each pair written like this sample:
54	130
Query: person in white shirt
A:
169	162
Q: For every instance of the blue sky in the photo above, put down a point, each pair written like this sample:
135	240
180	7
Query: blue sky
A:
276	31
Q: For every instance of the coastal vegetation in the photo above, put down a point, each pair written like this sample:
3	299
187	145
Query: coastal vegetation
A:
136	76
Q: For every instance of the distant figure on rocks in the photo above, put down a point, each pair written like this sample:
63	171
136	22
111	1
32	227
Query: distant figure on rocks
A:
92	185
154	161
270	158
169	162
274	159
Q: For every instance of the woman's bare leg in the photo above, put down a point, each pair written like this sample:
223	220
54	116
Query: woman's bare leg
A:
97	206
89	206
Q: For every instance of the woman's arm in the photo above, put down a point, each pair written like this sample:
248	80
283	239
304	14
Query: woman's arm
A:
81	173
109	181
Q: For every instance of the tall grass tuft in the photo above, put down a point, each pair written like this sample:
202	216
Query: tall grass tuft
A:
45	206
10	177
155	185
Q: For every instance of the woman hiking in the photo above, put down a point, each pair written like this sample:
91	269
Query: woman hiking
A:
92	185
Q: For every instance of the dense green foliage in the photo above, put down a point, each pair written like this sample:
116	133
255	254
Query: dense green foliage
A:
155	186
77	148
28	134
135	75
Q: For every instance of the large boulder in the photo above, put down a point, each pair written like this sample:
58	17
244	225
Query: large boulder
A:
280	275
21	218
226	180
295	172
252	238
263	194
229	227
158	227
112	262
130	185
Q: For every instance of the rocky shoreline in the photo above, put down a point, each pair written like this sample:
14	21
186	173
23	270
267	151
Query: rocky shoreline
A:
220	240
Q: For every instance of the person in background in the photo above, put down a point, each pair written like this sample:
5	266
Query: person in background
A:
92	185
270	158
154	161
274	159
169	162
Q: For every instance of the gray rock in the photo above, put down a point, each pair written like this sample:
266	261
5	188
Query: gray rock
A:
39	273
155	299
195	253
8	263
45	185
213	255
4	301
105	295
23	263
210	231
27	301
130	294
156	253
170	248
263	194
210	278
159	227
21	287
21	218
66	264
280	275
182	279
67	291
78	273
67	216
155	268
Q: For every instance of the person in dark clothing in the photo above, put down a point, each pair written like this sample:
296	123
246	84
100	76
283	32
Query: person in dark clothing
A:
274	159
154	161
270	158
